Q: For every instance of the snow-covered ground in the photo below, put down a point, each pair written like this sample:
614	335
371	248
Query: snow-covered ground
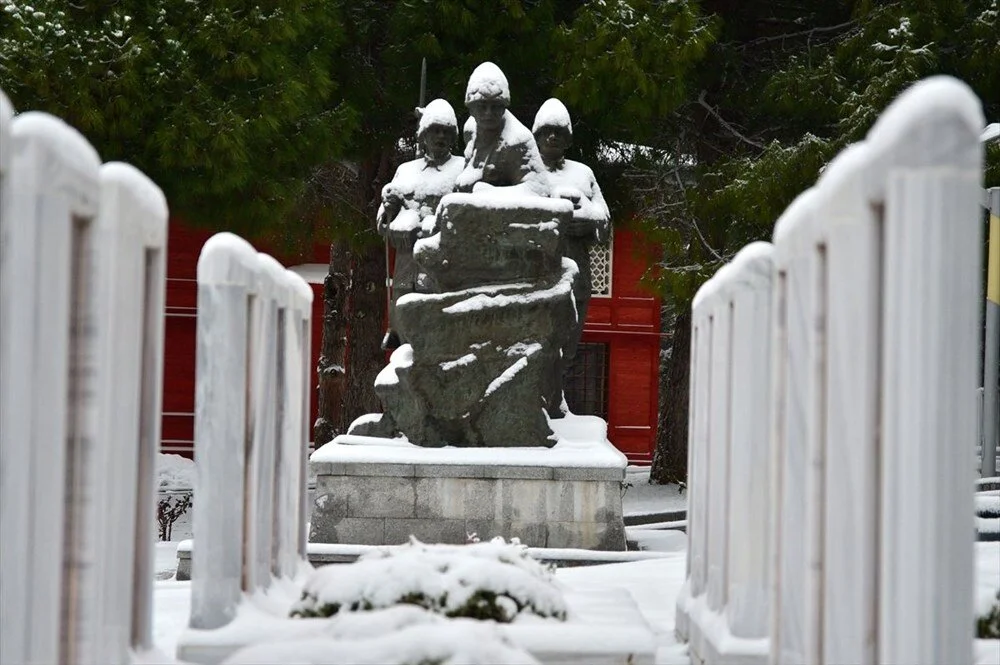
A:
652	584
641	498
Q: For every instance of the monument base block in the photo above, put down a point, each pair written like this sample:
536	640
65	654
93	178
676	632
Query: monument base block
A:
372	491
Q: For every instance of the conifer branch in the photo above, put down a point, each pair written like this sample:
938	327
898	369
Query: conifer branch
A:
722	121
791	35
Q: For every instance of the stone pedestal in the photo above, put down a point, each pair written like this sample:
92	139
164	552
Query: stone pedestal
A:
373	491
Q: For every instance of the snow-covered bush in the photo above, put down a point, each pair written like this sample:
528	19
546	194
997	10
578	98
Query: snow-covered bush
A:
402	635
988	625
494	580
169	509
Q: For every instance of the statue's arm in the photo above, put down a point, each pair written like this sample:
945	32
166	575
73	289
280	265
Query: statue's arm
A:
600	211
528	170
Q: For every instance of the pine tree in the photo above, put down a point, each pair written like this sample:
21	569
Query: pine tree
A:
785	88
228	106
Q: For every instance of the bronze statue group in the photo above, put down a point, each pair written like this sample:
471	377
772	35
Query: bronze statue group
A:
499	152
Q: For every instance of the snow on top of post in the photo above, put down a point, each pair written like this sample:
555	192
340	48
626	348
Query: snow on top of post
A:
929	99
273	273
58	137
438	112
842	189
300	287
552	113
753	265
227	259
487	82
935	122
704	292
796	215
146	194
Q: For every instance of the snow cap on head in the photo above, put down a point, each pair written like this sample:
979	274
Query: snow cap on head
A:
552	113
487	82
438	112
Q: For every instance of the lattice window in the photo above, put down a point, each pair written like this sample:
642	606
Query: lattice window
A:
600	268
585	383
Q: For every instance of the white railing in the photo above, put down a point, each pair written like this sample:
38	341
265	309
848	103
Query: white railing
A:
251	426
82	251
872	348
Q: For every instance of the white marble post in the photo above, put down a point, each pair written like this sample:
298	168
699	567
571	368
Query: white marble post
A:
925	148
698	485
263	387
305	335
131	228
795	476
13	564
874	323
48	404
723	614
251	415
848	427
293	445
719	414
750	462
227	281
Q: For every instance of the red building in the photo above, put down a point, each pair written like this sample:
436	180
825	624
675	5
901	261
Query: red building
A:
615	375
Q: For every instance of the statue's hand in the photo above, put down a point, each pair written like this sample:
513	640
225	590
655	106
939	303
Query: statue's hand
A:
402	239
571	194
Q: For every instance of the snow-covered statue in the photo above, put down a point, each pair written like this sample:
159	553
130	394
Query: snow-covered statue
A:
575	182
413	195
482	365
501	152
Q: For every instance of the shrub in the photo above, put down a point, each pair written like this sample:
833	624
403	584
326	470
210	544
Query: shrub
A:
494	580
169	510
988	625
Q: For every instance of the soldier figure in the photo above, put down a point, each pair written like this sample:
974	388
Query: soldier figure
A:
413	195
574	181
502	152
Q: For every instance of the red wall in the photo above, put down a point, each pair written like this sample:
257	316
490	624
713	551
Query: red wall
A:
628	321
183	247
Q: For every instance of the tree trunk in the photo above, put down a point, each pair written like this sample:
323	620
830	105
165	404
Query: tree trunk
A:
333	349
365	358
670	456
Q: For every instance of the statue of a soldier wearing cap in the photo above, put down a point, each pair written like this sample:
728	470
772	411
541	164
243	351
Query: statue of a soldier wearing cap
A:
574	181
502	151
413	195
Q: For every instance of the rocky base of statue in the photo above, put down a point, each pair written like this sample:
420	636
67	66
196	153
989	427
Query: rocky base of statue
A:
483	363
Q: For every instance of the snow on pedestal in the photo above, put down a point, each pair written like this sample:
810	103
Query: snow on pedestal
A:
380	491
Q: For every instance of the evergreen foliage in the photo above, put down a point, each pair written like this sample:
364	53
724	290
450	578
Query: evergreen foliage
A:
228	106
783	90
